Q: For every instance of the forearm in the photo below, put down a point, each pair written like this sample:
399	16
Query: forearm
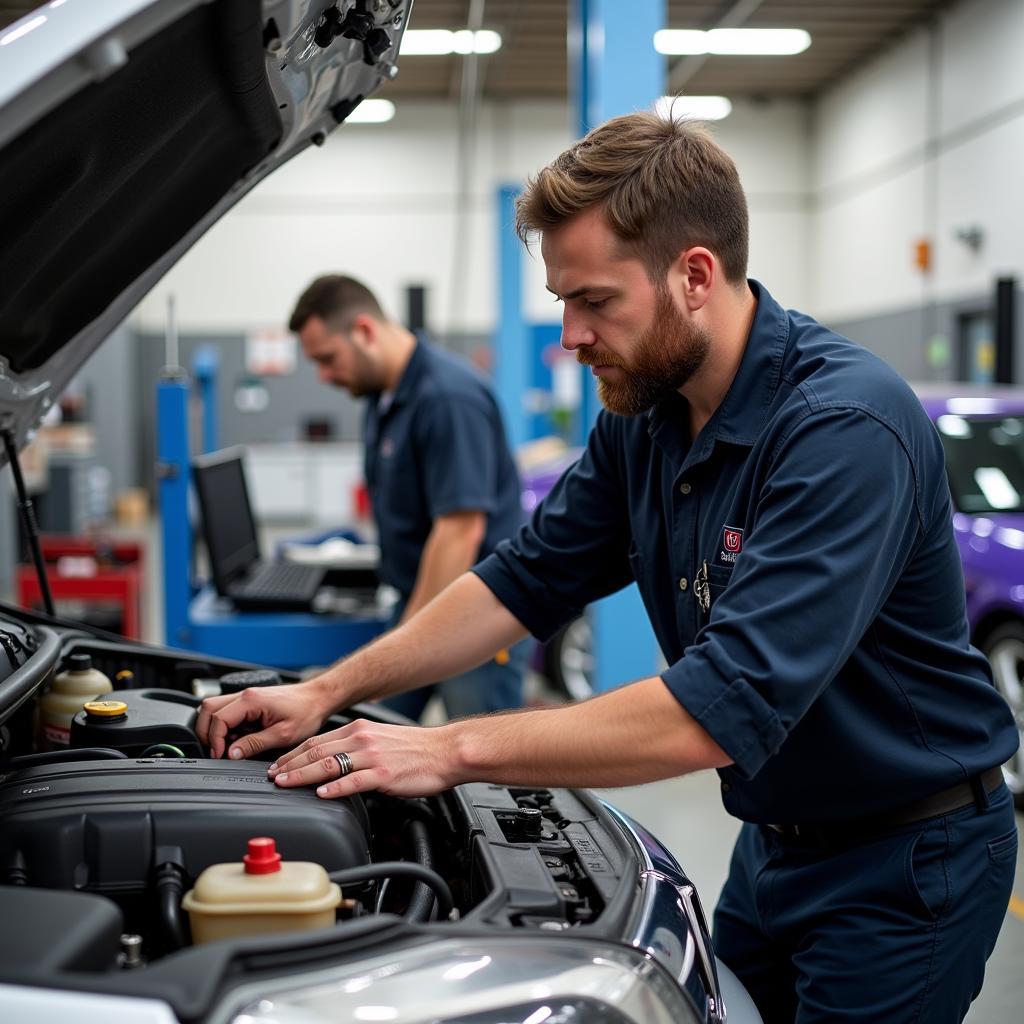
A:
450	550
462	628
638	733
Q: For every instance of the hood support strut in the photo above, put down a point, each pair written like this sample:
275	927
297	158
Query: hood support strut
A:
28	519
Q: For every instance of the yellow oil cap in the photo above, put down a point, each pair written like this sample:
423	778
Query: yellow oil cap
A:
105	708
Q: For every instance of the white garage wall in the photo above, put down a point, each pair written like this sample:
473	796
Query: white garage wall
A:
770	143
926	139
381	202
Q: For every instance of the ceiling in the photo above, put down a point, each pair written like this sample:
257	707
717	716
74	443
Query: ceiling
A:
532	60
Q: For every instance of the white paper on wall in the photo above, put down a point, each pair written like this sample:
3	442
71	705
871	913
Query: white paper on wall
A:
270	352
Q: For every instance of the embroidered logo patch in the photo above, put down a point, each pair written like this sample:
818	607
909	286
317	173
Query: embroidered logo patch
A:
732	544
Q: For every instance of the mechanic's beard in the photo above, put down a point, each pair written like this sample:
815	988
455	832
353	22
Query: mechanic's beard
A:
665	357
367	377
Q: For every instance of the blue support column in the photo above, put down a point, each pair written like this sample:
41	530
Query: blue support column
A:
511	348
615	70
176	530
205	364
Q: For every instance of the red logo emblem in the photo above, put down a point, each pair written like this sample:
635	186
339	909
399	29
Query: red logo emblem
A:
733	540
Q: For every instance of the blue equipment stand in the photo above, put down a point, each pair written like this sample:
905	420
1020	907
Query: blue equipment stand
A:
203	623
288	640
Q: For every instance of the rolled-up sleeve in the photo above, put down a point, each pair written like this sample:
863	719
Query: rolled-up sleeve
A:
836	519
574	549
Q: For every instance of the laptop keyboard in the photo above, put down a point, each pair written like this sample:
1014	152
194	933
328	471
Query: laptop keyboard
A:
283	581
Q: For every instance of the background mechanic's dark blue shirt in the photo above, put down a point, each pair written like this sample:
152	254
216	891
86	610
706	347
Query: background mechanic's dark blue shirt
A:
834	666
438	448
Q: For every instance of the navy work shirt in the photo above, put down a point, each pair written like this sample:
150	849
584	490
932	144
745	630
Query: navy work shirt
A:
833	665
439	447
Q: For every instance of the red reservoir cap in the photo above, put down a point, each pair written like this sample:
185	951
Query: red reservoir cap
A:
262	858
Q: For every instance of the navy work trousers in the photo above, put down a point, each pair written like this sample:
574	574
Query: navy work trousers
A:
893	928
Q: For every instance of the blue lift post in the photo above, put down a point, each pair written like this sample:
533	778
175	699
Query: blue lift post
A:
512	355
175	526
615	70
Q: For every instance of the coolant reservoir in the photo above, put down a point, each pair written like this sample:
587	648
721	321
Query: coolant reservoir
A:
263	894
70	689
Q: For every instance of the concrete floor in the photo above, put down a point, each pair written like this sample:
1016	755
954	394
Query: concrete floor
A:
687	816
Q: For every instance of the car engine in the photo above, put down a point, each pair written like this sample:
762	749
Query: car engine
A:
100	839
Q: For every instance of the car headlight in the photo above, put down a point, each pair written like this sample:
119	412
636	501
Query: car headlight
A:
502	980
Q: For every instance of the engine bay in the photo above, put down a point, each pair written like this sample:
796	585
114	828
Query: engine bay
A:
102	839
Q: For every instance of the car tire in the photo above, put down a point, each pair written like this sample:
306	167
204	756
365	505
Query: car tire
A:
569	660
1004	648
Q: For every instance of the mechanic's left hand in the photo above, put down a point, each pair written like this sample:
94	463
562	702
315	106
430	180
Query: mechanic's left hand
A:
400	760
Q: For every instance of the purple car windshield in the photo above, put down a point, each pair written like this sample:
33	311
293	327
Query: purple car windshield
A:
985	462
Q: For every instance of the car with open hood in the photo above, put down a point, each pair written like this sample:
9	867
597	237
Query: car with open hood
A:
127	128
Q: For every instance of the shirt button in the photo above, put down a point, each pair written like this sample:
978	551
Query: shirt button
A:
685	488
683	583
726	787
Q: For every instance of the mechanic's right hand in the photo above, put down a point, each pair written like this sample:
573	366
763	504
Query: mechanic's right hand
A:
288	714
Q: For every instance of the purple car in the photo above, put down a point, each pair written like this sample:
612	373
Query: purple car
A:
982	431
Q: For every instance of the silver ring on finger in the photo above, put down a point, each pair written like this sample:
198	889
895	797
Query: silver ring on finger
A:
345	764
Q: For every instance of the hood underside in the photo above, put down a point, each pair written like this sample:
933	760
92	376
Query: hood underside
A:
108	182
176	114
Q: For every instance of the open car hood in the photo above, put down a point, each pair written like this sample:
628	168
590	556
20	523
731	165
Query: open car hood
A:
129	127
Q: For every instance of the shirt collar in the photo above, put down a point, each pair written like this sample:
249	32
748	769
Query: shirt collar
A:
744	410
414	371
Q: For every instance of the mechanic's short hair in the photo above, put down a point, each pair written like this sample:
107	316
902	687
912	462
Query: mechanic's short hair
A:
663	183
336	299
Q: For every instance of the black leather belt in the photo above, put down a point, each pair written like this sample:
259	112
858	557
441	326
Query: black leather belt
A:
975	791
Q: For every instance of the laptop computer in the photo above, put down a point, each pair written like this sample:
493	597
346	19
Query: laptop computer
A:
229	529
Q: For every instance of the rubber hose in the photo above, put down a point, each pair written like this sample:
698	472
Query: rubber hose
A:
170	887
421	902
398	869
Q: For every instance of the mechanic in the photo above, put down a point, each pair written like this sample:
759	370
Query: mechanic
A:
443	484
780	498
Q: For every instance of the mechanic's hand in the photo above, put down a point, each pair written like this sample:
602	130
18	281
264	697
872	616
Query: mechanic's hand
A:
287	713
400	760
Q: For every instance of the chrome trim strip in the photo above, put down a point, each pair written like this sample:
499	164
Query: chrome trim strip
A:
669	907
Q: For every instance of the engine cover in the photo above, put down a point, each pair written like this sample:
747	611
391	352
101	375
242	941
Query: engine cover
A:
103	826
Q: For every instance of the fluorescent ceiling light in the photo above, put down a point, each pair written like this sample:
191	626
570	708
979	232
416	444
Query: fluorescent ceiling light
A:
439	42
700	108
372	112
680	41
750	42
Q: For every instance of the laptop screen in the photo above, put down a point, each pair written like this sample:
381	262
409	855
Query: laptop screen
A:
228	526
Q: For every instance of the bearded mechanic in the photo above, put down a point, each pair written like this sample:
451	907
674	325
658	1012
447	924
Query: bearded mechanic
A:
780	498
